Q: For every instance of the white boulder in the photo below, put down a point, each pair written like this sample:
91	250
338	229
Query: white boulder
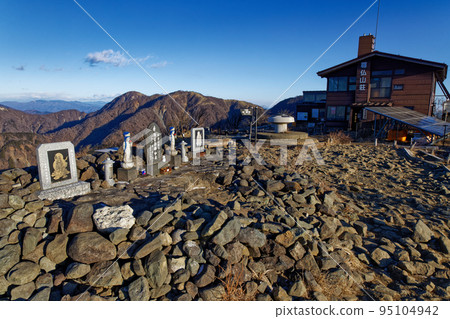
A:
109	219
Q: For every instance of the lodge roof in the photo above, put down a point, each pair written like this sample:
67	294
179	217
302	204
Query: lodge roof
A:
441	68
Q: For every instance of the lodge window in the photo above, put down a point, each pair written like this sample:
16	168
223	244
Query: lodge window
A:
342	83
338	84
352	83
381	84
398	87
336	113
302	116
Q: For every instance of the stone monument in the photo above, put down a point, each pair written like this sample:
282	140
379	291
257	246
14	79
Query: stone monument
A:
127	172
58	172
108	171
153	145
184	157
197	141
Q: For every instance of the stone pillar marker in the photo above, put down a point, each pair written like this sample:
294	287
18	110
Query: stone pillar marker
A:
184	158
108	170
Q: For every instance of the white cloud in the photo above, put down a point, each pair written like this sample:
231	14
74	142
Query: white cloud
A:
112	57
159	65
46	69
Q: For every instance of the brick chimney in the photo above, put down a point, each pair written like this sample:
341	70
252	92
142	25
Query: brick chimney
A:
366	44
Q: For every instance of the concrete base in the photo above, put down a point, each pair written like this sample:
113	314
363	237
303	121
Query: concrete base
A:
66	191
175	161
126	174
153	169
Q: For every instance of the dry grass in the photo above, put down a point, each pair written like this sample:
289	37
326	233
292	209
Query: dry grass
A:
234	285
338	138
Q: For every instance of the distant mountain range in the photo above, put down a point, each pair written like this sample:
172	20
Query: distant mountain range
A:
21	132
52	106
288	105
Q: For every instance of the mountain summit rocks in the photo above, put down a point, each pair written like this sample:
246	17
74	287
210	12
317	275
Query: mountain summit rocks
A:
232	240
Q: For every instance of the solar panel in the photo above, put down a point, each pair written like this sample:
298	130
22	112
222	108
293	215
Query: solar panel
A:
415	119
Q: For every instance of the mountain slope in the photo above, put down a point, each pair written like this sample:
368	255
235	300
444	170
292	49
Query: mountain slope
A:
134	111
15	121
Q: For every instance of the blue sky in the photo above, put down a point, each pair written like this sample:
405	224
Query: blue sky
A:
248	50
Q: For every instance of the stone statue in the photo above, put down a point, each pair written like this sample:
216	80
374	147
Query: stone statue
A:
173	151
199	140
127	151
184	158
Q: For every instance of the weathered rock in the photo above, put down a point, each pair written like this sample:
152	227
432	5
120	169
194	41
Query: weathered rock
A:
56	250
279	294
45	280
4	201
23	292
215	293
381	257
156	269
298	289
54	221
361	228
9	256
46	264
105	274
297	251
16	202
206	277
228	232
108	219
191	248
144	218
417	268
444	242
4	285
139	290
77	270
159	221
23	273
175	264
90	247
308	263
181	276
148	247
274	186
160	291
80	219
422	233
42	295
30	240
292	186
328	230
289	237
6	226
215	224
251	236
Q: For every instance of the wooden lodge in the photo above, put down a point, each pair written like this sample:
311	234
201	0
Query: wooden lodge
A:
379	79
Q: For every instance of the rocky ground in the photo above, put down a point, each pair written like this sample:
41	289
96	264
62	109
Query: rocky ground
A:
368	224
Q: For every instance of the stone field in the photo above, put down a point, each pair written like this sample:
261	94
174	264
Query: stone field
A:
369	224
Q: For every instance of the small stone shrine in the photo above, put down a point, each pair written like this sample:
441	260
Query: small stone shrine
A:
58	172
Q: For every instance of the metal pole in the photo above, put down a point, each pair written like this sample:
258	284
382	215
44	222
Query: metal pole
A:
445	133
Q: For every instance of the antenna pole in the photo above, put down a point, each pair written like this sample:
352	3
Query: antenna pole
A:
376	27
